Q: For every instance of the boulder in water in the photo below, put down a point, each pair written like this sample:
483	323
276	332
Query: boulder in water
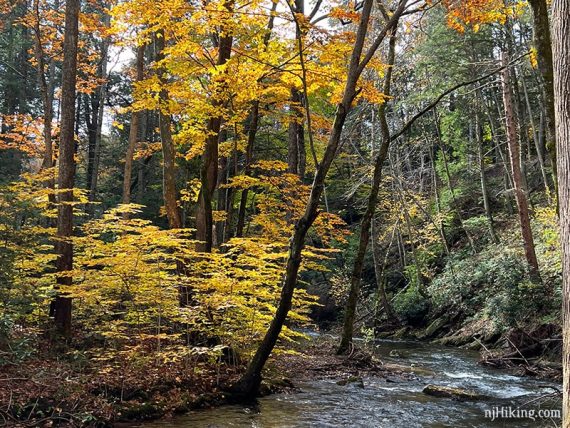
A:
450	392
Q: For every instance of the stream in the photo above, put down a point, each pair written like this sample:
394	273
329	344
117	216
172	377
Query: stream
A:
394	402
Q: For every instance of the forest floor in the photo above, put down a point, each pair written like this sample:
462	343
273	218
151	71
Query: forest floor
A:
47	391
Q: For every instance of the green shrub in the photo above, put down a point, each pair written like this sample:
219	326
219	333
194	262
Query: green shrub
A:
515	305
495	284
411	306
465	282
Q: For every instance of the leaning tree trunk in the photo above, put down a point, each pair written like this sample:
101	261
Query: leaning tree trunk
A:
66	176
365	224
248	385
561	50
520	194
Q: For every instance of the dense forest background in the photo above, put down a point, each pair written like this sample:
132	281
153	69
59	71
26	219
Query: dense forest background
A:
176	176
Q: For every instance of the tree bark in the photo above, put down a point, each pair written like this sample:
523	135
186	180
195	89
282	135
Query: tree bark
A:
248	385
66	175
252	126
168	151
520	195
456	207
296	155
46	79
561	51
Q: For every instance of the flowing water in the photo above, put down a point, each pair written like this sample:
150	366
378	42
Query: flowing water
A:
394	402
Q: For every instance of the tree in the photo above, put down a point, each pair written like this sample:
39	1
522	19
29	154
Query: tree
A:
209	170
367	218
561	52
543	45
66	174
46	77
249	383
134	131
169	190
95	100
514	154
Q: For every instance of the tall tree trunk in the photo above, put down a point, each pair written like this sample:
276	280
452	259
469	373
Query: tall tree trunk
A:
248	385
168	151
365	223
440	224
379	268
253	125
98	109
536	139
46	77
66	176
483	178
561	50
398	189
499	153
133	132
456	207
209	170
296	157
90	108
147	132
520	195
543	45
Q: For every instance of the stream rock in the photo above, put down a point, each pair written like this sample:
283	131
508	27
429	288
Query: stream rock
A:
355	380
449	392
417	370
394	353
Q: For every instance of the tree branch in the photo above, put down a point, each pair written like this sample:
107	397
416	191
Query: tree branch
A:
449	91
